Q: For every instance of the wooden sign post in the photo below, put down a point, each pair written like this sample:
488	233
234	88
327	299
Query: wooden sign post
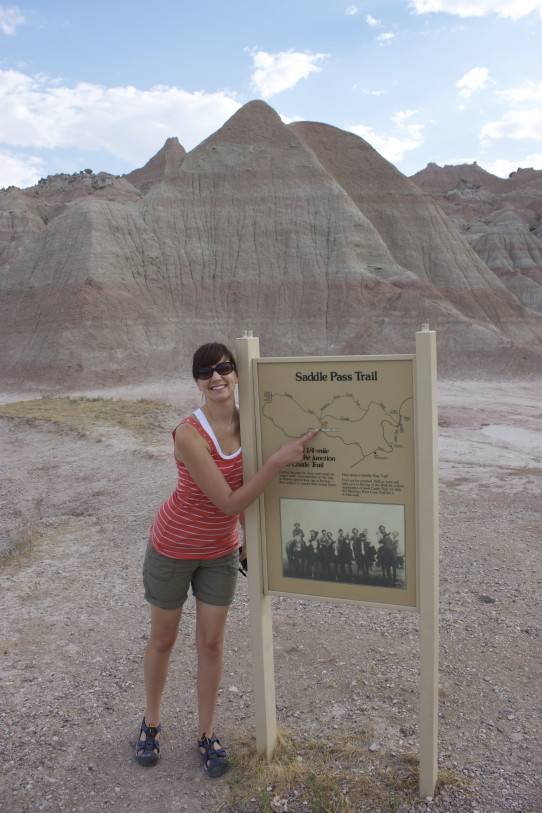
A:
261	622
428	552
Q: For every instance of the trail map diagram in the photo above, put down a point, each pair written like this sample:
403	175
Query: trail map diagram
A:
373	431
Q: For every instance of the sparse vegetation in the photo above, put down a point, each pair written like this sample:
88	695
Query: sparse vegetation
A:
82	414
330	775
21	546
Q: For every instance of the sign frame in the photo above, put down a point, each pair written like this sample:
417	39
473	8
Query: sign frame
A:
349	589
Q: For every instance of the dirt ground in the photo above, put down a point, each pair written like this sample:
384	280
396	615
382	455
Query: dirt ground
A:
78	507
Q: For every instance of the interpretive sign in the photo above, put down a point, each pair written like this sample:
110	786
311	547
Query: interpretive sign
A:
342	523
357	519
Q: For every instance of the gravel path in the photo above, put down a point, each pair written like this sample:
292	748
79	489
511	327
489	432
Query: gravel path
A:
74	624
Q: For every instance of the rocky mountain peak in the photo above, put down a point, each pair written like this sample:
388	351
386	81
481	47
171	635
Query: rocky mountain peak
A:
167	159
256	121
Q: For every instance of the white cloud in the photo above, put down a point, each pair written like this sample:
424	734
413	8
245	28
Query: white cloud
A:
385	37
372	92
394	147
513	9
502	167
404	122
473	80
39	112
19	170
370	20
523	120
516	124
528	94
10	18
352	11
390	147
281	71
533	160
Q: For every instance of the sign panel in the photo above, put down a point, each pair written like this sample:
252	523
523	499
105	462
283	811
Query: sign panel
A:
341	524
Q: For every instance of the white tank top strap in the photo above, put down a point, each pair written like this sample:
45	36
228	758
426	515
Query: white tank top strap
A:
200	416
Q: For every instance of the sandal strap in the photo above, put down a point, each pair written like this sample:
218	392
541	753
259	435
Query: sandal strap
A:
212	753
215	760
148	747
151	729
149	744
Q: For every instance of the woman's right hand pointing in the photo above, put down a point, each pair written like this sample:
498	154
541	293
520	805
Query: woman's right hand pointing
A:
293	450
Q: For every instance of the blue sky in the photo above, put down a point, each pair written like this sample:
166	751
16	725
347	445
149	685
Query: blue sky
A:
101	85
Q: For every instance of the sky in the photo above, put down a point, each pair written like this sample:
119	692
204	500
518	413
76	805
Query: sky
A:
102	85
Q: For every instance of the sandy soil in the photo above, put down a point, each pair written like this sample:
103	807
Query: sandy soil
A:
74	623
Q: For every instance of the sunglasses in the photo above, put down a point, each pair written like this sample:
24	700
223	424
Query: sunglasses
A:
224	368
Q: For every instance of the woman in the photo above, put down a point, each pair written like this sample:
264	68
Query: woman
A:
194	542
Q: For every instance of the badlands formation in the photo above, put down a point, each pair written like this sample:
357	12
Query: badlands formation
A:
301	233
500	218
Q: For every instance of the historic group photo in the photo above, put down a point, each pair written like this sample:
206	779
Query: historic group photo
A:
323	545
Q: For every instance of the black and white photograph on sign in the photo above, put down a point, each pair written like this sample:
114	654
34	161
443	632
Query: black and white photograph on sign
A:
351	543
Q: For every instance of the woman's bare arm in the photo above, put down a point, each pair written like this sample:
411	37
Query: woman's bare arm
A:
192	450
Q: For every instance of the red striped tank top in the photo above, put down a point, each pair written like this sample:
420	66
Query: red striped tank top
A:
188	525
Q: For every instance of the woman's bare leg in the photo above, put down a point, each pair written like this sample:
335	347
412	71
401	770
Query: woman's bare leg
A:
210	627
164	630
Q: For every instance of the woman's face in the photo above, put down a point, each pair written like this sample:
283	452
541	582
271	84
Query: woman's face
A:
218	388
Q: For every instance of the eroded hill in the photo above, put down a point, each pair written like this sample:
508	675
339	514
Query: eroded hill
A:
302	233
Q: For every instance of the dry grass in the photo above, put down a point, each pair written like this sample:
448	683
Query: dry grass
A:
144	417
330	775
21	547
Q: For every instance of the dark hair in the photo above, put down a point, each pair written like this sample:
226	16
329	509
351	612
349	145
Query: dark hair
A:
210	354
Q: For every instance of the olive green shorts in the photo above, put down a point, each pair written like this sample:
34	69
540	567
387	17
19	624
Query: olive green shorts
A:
167	580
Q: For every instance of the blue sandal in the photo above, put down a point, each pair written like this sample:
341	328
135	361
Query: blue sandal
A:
149	746
215	760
